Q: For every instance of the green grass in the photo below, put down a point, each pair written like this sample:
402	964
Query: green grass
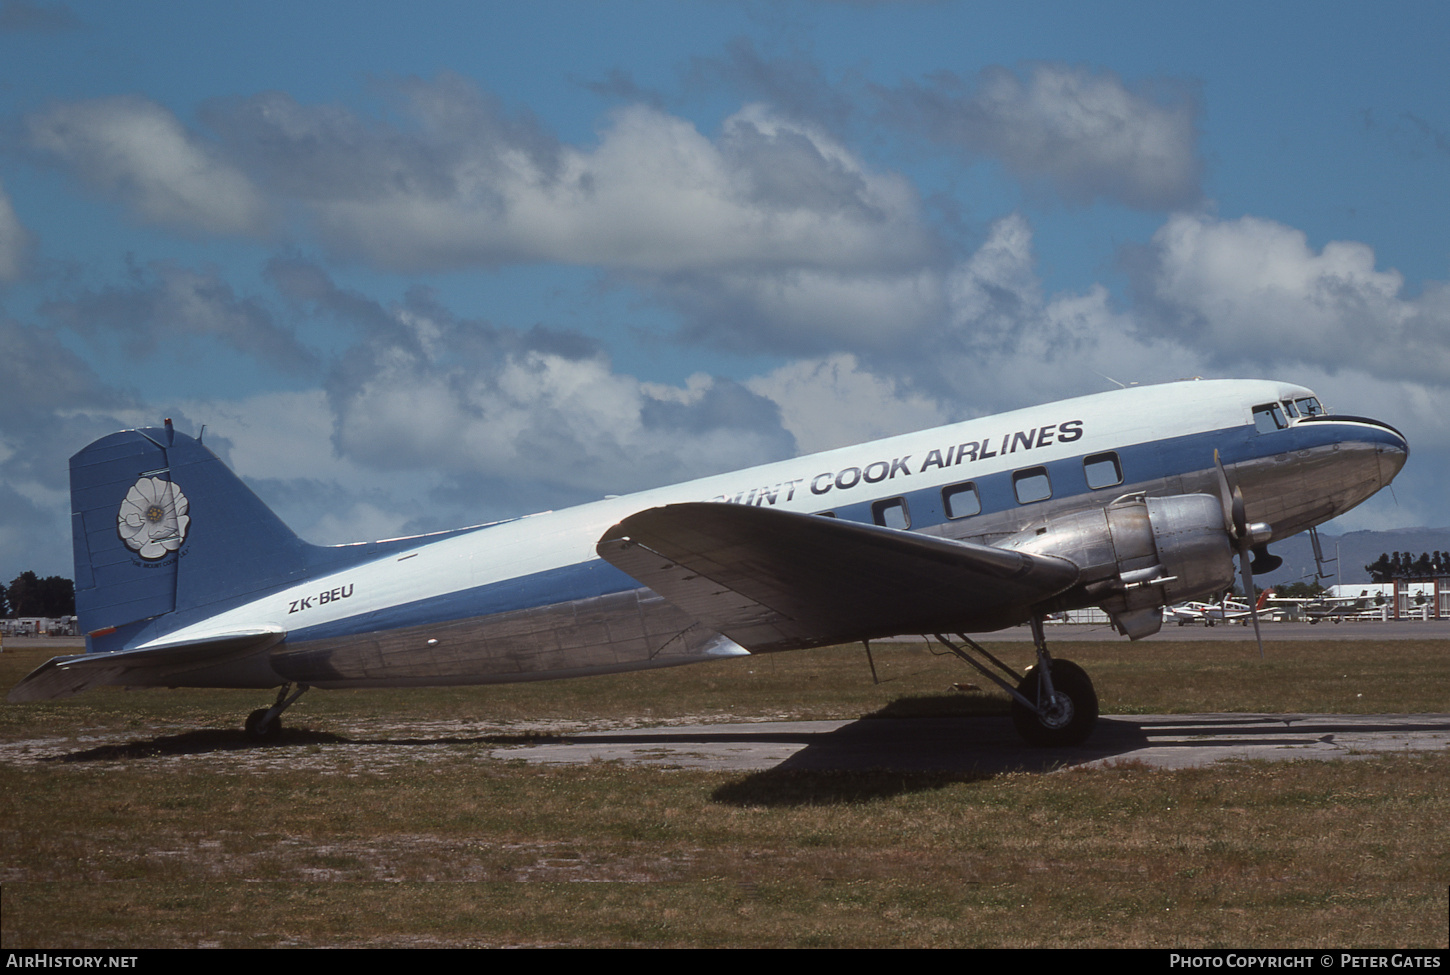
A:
383	819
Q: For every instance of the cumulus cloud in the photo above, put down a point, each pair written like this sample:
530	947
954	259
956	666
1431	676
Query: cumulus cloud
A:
15	241
1253	289
166	303
53	402
804	310
501	409
833	401
457	182
526	415
767	234
795	86
1003	341
654	195
1086	134
139	153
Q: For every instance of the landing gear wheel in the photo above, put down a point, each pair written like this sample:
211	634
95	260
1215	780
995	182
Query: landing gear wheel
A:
254	726
1069	719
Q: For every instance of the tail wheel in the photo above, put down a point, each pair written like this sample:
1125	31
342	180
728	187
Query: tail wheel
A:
256	732
1066	720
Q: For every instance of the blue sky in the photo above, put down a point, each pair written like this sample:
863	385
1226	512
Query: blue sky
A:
418	266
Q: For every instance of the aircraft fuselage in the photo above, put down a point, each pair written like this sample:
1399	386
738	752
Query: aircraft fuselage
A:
531	599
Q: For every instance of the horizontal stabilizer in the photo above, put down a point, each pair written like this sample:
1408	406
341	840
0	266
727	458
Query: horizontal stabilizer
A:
150	666
776	580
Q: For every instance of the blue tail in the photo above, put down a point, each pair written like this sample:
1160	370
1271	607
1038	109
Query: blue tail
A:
161	526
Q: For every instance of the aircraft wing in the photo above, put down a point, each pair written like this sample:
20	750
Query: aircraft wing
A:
777	580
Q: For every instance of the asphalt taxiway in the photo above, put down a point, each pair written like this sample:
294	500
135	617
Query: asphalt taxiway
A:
990	745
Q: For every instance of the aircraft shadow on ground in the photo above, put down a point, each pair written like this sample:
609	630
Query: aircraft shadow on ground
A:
874	757
218	740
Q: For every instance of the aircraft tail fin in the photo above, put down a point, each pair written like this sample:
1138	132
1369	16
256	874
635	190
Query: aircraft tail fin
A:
161	525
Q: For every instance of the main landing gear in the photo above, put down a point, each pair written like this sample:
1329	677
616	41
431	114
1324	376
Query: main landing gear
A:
1053	703
265	724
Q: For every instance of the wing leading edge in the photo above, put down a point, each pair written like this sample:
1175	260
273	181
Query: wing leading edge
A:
779	580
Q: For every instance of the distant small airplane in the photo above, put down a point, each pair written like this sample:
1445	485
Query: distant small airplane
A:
1128	500
1336	608
1209	614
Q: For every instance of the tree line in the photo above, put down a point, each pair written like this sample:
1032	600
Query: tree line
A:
30	595
1402	565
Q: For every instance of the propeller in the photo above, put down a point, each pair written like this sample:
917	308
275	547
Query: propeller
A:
1236	523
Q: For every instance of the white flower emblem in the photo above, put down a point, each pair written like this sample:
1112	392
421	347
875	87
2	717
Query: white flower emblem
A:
152	520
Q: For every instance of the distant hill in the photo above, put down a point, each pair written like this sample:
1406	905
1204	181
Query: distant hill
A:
1355	549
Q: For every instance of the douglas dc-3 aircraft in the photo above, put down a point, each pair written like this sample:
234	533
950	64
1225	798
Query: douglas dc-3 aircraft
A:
1129	500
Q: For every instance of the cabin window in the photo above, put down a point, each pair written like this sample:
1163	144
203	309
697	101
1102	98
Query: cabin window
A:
1102	470
1309	406
1269	417
1031	485
961	500
891	513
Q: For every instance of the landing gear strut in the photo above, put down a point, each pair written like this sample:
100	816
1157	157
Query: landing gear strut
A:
1053	703
265	724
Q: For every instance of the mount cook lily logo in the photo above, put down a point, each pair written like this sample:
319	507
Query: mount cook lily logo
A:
152	520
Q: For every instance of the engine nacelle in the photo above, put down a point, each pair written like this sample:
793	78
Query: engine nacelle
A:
1138	555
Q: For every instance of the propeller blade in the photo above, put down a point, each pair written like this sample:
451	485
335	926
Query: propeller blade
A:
1248	577
1225	497
1236	523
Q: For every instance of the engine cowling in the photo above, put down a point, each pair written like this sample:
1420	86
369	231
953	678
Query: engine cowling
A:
1138	555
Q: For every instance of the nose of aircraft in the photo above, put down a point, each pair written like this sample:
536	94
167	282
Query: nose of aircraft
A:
1394	451
1391	447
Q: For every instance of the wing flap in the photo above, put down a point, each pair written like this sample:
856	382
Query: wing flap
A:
776	580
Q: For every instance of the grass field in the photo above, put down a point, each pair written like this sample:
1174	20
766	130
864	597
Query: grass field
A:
141	819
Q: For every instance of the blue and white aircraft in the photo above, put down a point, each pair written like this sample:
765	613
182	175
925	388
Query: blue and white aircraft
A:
1129	500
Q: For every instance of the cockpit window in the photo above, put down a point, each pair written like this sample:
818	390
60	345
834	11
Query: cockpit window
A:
1269	417
1309	406
1291	409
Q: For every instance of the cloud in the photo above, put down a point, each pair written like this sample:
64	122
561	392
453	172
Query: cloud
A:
657	196
771	234
794	86
1254	290
804	310
51	402
15	241
30	537
139	153
524	415
1085	134
167	303
459	183
534	413
833	402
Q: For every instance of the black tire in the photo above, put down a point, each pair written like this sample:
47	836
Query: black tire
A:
1075	720
254	724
